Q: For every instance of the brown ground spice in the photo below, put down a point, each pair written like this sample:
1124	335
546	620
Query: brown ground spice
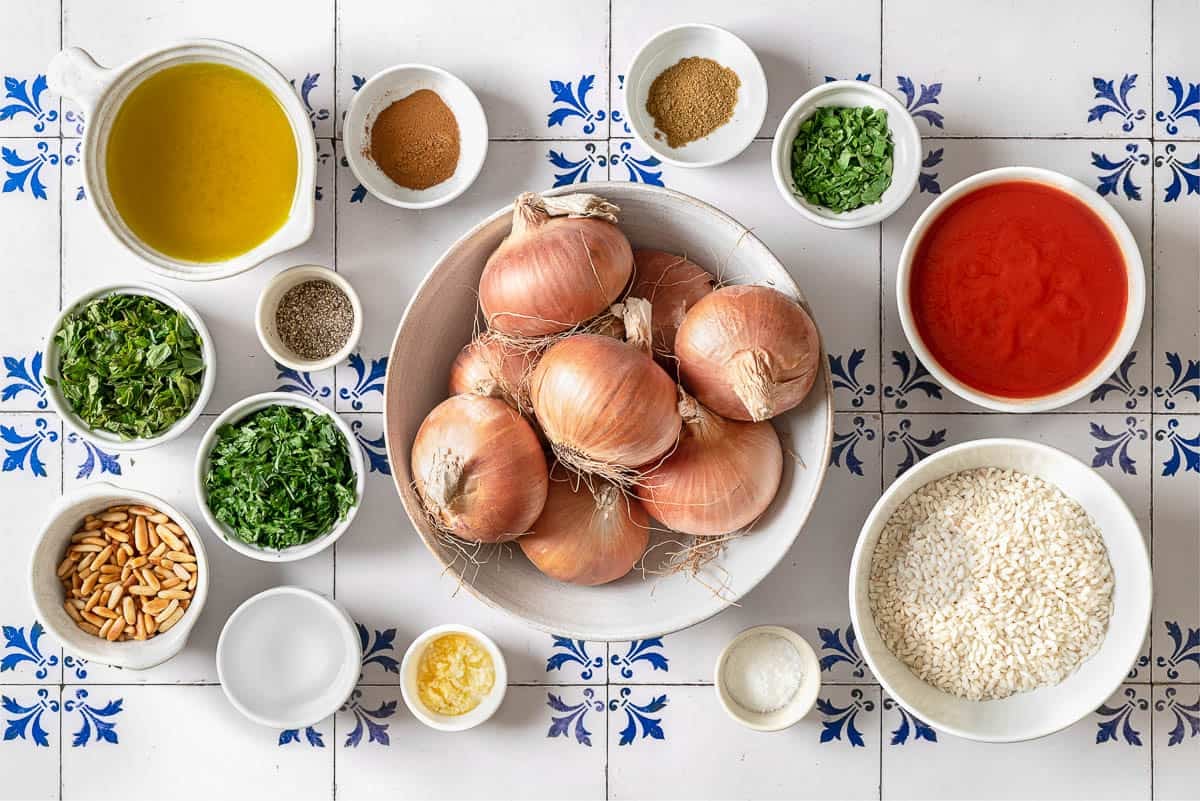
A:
691	99
415	140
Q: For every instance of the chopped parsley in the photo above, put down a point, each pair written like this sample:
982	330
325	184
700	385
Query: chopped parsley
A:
842	157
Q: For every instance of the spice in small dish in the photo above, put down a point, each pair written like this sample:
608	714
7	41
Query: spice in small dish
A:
314	319
129	573
763	672
415	140
842	157
454	675
691	99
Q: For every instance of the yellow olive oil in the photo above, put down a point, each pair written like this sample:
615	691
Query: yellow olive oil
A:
202	162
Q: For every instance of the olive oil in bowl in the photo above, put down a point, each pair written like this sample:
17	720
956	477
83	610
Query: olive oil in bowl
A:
202	162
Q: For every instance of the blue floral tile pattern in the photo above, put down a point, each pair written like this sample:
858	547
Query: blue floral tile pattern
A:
1120	383
1185	450
638	717
378	649
1184	174
368	721
26	447
1116	101
839	720
917	103
313	737
1116	723
643	652
375	450
22	97
307	85
838	650
845	376
366	380
1115	445
910	726
1186	648
300	382
1185	380
576	171
570	102
844	445
928	181
572	718
637	170
20	378
94	457
913	378
1116	175
573	652
1186	716
1185	105
915	447
96	723
20	649
26	170
24	721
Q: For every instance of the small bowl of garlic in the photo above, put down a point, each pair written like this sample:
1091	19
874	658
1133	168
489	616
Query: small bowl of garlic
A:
453	677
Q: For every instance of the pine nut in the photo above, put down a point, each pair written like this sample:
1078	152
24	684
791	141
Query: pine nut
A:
178	594
171	583
140	539
89	628
115	534
114	597
95	541
103	556
171	621
150	579
72	611
65	566
104	629
142	589
112	517
182	572
116	629
95	620
168	536
142	511
86	547
158	518
104	611
89	583
151	625
127	609
137	561
155	606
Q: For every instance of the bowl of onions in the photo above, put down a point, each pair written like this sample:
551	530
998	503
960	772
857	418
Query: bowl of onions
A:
624	404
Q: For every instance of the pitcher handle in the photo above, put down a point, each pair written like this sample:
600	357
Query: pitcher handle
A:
74	74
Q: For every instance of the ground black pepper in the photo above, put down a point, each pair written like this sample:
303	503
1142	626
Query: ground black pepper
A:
314	319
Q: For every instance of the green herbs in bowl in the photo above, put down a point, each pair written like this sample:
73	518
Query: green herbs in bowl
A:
842	157
280	477
128	365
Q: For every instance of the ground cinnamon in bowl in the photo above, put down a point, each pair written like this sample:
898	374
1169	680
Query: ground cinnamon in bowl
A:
415	142
691	99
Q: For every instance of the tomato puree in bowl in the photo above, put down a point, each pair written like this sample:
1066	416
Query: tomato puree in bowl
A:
1018	289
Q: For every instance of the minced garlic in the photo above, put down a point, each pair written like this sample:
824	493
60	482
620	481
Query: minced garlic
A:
454	675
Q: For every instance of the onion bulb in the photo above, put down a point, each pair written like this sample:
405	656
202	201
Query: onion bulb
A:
564	262
720	478
486	366
673	285
587	537
605	406
479	469
748	352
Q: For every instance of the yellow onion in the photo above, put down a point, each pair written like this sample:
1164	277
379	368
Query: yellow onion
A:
748	352
587	535
564	262
673	285
486	366
721	476
605	406
479	469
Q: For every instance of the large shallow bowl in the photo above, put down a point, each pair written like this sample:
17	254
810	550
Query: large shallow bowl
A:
438	322
1023	716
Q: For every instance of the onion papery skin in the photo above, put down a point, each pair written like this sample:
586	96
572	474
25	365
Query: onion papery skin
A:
479	469
673	285
601	402
489	367
586	537
721	477
553	273
748	352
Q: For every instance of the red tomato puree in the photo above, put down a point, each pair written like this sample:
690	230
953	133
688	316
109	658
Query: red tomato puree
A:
1018	289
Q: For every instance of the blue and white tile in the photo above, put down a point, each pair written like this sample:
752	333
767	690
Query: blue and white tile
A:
531	748
295	37
168	472
1087	72
30	750
1175	627
30	37
186	742
30	478
1120	170
1176	70
1176	278
832	753
838	271
780	33
1176	741
1105	755
92	257
517	57
29	228
818	562
386	252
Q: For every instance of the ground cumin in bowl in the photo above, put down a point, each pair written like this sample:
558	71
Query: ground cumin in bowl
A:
415	140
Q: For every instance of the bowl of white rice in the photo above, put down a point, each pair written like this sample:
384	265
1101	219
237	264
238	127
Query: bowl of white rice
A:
1000	590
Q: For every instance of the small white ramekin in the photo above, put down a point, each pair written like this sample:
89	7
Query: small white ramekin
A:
412	698
66	514
792	712
244	408
109	440
665	49
397	83
1135	301
906	152
268	304
269	648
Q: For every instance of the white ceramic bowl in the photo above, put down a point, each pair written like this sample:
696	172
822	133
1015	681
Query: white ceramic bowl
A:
100	92
668	47
288	657
109	440
242	409
792	712
439	321
408	681
397	83
1023	716
66	514
268	304
1135	289
906	157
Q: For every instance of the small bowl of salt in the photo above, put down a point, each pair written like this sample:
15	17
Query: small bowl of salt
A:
767	678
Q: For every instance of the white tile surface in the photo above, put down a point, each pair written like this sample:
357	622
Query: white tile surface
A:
31	754
1175	628
1176	741
1176	70
31	37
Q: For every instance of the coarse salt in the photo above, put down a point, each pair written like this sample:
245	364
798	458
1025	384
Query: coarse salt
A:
763	672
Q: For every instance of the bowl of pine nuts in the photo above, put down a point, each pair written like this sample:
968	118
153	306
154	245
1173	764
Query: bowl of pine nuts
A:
119	576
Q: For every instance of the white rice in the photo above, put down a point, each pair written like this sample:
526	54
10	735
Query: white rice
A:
991	582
